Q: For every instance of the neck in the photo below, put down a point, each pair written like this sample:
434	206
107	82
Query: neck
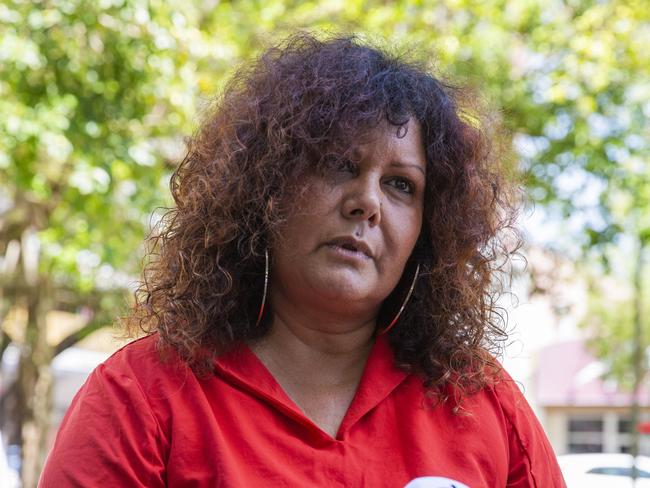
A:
314	356
317	357
317	348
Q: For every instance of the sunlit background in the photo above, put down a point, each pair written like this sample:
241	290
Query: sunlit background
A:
96	97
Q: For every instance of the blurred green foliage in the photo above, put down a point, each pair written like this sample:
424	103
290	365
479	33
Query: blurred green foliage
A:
93	90
610	316
95	96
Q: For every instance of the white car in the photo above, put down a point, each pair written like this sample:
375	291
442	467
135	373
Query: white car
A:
604	470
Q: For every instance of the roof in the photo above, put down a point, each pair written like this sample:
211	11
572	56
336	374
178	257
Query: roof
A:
568	374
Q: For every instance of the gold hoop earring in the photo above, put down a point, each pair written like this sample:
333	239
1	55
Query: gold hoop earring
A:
266	286
401	309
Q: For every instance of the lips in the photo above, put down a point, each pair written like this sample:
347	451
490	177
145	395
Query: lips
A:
349	243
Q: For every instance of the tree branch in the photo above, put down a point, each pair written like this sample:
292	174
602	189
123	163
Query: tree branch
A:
78	335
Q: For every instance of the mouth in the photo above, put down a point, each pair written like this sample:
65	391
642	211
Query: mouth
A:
351	247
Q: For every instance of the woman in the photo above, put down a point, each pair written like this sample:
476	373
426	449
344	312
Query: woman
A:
318	306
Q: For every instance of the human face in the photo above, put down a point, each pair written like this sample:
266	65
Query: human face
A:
346	242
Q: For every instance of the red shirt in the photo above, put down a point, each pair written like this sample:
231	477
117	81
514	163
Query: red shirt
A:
138	422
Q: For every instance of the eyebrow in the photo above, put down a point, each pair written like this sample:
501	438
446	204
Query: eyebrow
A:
409	165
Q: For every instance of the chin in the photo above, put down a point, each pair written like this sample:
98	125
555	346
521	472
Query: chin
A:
346	290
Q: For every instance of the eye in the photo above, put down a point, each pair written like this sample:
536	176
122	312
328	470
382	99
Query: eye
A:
402	185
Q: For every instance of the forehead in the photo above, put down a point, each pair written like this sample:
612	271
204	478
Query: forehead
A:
404	143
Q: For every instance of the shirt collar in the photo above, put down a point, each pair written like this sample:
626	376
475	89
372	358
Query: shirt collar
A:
380	377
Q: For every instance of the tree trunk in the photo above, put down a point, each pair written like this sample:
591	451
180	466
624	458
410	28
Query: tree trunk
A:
33	383
34	388
639	367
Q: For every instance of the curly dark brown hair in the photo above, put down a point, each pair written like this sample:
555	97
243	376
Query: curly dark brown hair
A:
296	110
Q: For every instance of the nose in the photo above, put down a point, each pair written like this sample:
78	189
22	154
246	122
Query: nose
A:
362	201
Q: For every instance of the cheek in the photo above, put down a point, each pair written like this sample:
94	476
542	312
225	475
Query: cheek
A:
313	198
294	234
304	216
405	233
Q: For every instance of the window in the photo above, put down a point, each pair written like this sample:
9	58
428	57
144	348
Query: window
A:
585	425
624	437
585	434
624	425
584	448
603	431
